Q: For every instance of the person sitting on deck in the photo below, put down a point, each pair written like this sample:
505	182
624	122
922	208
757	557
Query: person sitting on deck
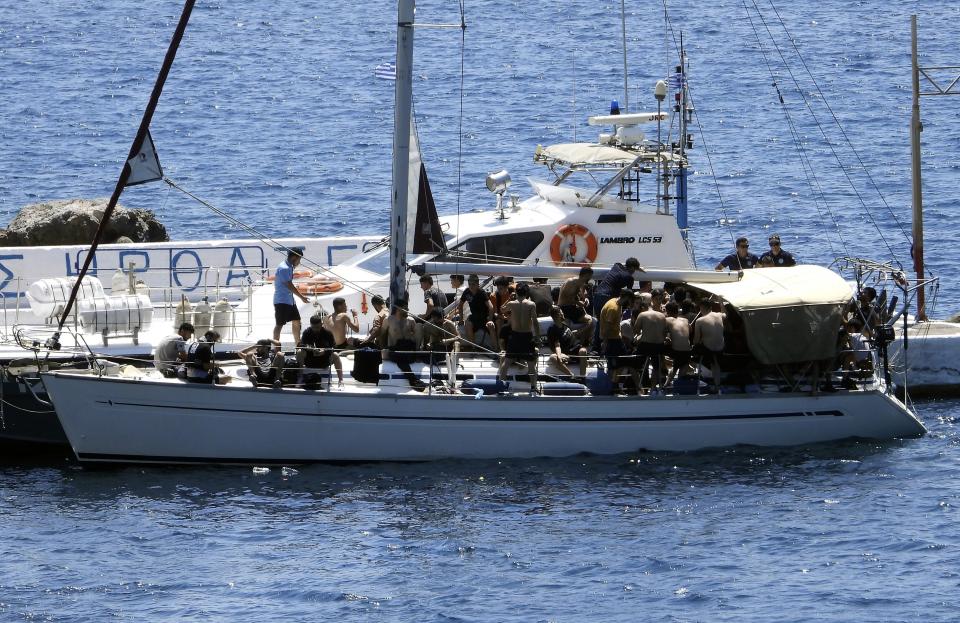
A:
564	344
541	295
741	259
339	321
522	343
316	350
172	351
858	359
574	302
264	362
376	325
480	310
398	341
438	335
433	298
201	362
457	284
501	295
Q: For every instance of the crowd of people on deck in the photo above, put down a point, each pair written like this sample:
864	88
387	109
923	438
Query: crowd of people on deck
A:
654	336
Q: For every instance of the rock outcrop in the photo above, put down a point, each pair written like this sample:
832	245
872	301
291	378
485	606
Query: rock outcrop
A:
75	221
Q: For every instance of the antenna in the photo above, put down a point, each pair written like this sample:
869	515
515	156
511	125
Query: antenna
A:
623	30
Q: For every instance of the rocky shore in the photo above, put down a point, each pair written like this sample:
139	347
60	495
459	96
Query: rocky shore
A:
75	221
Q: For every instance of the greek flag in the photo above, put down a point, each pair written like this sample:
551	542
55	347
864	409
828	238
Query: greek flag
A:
386	71
676	81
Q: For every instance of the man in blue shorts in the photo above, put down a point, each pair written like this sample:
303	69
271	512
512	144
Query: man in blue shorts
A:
284	308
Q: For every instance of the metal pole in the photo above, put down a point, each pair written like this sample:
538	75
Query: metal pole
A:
623	30
915	128
401	151
54	341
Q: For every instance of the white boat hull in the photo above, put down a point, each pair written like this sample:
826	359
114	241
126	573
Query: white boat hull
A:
126	420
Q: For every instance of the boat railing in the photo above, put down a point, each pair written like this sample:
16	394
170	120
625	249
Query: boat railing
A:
209	282
457	371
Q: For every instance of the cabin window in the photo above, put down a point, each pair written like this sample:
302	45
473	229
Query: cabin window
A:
500	248
378	263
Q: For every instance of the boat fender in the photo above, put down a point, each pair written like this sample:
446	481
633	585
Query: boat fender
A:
202	315
222	316
566	249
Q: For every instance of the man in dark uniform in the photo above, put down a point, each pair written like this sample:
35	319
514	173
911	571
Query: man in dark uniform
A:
777	256
741	259
617	279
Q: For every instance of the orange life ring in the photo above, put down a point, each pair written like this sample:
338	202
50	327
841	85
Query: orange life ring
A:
305	273
565	248
318	285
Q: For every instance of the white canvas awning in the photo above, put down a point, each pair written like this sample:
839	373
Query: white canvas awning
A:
764	288
588	153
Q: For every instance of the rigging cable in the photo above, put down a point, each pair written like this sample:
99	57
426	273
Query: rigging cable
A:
703	137
463	48
264	238
839	126
808	168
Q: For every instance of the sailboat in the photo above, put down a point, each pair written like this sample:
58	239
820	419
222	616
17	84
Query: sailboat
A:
790	318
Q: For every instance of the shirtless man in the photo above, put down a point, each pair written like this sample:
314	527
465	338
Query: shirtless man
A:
573	301
708	337
340	320
439	334
650	327
680	345
398	341
376	325
521	314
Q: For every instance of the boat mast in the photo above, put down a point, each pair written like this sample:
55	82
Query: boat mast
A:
403	97
949	87
54	341
915	128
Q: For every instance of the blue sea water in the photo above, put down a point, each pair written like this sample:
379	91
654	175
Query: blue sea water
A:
272	112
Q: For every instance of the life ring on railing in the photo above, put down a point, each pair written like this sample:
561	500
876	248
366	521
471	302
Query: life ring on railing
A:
573	245
318	285
304	273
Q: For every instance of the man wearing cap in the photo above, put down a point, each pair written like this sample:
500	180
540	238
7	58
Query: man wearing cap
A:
777	256
284	306
741	259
